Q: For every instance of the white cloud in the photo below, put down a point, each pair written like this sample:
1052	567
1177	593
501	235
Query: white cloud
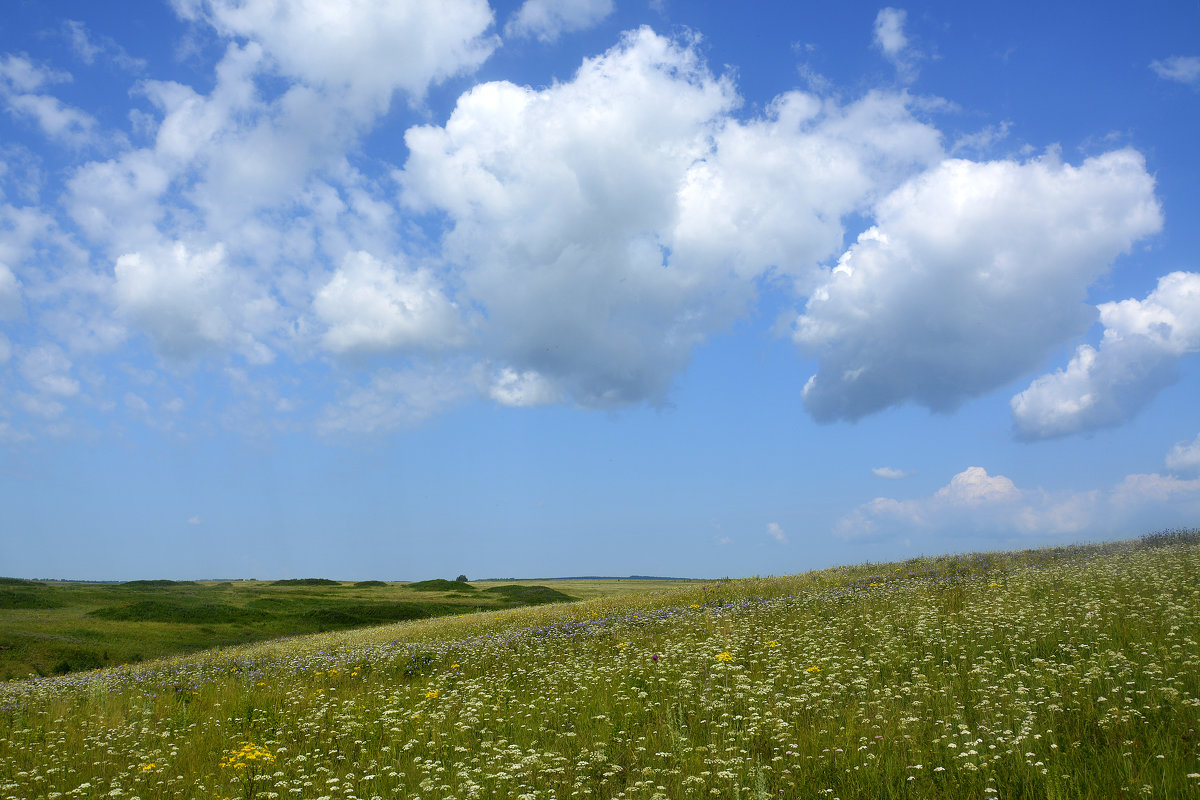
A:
394	399
1185	457
1185	69
773	193
891	40
609	224
971	275
889	473
976	503
191	301
193	520
362	49
546	20
1143	339
48	370
889	31
776	532
1138	490
10	294
522	389
87	46
19	77
372	307
973	487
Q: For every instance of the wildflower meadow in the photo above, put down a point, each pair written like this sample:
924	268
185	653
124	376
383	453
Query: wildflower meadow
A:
1067	673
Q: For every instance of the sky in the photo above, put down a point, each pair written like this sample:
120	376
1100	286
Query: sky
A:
389	289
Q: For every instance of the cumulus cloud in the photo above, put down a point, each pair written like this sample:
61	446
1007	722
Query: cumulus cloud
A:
976	503
1105	386
546	20
191	301
1184	69
370	306
523	389
776	532
609	224
1185	457
889	473
773	193
362	49
971	275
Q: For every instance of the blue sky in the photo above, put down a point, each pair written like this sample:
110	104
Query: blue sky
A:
401	290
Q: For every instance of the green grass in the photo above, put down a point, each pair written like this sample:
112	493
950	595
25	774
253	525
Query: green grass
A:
57	627
1064	673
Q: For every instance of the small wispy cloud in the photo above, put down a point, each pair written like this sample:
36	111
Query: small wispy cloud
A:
194	520
1185	69
889	473
892	41
776	532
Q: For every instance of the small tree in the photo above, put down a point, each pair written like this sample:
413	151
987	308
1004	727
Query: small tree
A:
461	579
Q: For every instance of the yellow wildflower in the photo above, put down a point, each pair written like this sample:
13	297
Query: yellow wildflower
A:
726	656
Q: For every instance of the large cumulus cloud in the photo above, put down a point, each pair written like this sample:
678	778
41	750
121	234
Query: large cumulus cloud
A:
609	224
1105	386
971	275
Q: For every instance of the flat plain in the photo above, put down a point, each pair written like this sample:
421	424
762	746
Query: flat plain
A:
1055	673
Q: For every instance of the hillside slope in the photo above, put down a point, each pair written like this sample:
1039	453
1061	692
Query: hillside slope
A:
1068	673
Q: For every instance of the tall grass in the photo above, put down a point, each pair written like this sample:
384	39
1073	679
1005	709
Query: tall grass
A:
1072	673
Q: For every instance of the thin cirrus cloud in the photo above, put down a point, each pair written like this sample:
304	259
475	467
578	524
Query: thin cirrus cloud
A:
1106	386
1183	69
546	20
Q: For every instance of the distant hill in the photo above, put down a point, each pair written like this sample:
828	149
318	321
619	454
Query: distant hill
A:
599	578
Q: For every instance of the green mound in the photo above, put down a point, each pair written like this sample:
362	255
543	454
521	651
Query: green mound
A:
441	585
157	584
24	598
529	595
358	614
306	582
19	582
160	611
368	584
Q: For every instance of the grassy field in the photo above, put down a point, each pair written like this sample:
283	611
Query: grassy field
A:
58	627
1067	673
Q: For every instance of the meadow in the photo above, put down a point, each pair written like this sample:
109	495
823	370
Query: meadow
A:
1062	673
57	627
